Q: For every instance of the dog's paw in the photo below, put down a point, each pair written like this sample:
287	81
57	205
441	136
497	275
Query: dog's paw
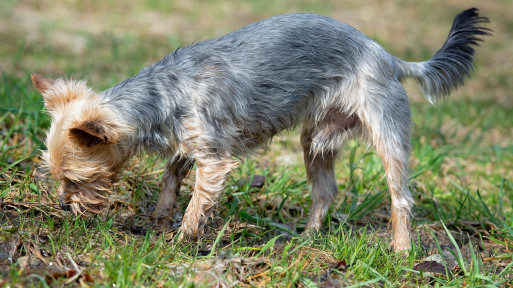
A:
309	234
400	246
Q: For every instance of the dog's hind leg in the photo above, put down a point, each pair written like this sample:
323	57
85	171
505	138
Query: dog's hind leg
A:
175	171
321	143
386	123
320	174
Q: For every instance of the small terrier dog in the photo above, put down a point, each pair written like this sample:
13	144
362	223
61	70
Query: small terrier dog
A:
216	101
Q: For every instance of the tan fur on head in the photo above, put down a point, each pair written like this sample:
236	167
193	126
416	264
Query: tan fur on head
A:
82	143
58	93
84	197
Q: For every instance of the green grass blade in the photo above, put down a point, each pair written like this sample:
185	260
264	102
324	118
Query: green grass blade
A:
459	257
218	238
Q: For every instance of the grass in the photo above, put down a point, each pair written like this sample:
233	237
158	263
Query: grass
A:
462	162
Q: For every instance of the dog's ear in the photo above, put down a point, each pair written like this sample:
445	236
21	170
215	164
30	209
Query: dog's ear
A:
42	84
93	132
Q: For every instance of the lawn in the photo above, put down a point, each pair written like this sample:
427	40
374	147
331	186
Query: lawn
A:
462	161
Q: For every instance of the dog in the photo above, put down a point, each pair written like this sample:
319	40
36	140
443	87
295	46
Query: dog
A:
214	102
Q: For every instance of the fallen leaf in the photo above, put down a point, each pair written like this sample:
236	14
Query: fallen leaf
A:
340	265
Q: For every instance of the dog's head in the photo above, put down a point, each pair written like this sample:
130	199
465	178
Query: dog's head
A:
82	143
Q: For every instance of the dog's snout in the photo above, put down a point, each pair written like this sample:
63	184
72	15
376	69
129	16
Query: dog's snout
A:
64	206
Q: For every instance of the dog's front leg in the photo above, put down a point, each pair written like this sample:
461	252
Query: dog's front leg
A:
176	170
211	174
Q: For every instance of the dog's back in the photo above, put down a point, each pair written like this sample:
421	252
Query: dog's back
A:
274	74
266	77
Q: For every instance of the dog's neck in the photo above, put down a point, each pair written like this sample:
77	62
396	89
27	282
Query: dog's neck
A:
151	107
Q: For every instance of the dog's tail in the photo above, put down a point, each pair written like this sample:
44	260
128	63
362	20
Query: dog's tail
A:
452	64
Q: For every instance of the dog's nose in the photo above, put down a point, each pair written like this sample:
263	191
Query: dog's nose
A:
64	206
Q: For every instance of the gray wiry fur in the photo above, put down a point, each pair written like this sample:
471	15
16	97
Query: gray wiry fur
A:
270	75
220	99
